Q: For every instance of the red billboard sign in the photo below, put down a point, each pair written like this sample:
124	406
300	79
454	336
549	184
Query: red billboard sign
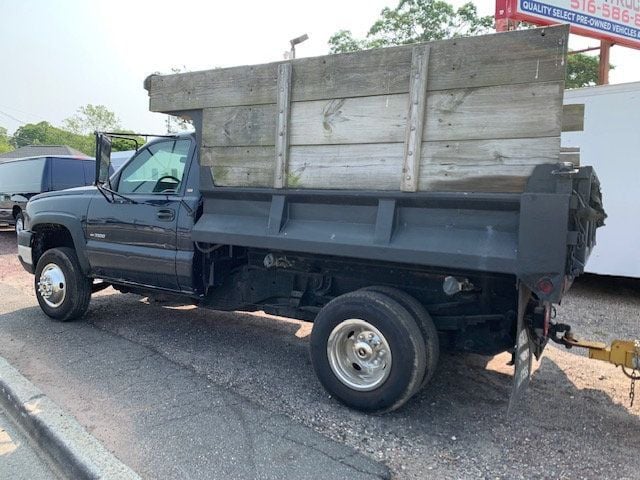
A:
616	21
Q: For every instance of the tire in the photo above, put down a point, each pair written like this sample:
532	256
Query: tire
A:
19	222
424	321
68	290
341	358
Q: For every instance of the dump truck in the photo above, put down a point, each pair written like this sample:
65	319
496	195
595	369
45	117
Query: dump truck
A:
405	200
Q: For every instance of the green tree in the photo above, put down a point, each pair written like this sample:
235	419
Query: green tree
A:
122	144
414	21
44	133
582	70
5	141
90	118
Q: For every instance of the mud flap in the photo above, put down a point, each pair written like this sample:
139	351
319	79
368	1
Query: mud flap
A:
523	352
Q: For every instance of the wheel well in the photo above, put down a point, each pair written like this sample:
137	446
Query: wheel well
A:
47	236
16	211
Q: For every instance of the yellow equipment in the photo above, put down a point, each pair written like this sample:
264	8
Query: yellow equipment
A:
621	353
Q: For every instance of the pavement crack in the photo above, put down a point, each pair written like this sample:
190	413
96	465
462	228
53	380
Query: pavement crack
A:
338	459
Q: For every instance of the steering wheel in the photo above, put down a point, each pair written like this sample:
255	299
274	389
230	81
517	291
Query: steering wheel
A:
171	177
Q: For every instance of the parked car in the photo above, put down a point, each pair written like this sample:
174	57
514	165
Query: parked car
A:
22	178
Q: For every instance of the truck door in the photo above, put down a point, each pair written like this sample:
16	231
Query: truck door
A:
136	242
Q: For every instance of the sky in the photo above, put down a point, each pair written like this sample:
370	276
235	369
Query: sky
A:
58	56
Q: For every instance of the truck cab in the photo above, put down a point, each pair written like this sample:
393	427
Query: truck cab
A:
132	238
142	237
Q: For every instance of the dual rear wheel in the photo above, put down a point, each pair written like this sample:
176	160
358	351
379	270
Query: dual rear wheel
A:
373	349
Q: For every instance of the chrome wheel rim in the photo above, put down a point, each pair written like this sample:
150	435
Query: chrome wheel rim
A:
359	355
19	225
52	285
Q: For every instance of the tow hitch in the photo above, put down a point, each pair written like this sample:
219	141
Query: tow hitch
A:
621	353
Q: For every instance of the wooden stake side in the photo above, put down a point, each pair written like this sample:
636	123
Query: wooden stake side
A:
283	109
415	118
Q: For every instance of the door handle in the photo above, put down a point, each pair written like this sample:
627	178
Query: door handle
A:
166	214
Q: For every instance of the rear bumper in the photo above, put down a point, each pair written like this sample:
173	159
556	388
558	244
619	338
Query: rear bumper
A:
24	250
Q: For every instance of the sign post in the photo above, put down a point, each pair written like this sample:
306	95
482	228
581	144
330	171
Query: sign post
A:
603	67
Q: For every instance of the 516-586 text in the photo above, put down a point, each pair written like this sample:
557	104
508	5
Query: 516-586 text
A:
630	16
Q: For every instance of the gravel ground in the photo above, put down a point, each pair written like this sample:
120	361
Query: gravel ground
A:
575	422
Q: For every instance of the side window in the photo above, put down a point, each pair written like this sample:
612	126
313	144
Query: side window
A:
89	172
66	173
158	168
22	176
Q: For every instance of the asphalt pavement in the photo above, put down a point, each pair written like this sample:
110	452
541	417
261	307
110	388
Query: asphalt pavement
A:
179	392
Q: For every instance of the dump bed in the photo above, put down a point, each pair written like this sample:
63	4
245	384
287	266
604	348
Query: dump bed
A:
466	114
442	155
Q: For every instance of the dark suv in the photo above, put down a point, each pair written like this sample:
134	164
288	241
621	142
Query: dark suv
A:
22	178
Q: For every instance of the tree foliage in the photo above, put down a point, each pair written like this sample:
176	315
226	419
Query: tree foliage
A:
414	21
91	118
582	70
44	133
5	141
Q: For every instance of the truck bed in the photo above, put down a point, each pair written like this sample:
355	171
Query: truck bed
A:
546	232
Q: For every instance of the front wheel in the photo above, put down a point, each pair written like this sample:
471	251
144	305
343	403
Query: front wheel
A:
62	290
367	351
19	222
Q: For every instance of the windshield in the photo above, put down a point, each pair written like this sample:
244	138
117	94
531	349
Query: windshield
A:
157	168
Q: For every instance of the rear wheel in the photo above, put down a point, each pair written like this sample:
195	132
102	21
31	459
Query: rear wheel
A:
367	351
62	290
425	323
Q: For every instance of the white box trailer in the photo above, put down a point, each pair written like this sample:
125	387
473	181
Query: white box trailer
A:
610	142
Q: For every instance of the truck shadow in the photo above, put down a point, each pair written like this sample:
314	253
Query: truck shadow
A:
265	360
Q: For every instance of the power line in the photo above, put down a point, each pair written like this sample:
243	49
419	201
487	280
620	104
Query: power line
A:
12	117
22	112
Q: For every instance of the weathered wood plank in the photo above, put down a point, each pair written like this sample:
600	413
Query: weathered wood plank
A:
243	85
573	117
283	110
526	110
485	165
377	119
526	56
510	111
415	119
505	180
240	166
377	166
238	126
364	166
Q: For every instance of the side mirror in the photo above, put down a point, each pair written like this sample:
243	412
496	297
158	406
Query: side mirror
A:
103	158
